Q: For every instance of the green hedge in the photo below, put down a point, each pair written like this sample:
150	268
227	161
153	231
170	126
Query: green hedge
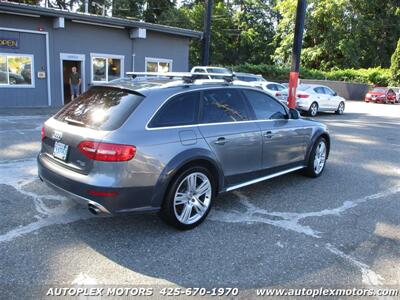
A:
375	76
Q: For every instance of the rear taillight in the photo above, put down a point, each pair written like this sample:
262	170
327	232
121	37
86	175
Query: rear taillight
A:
43	133
278	94
302	96
106	151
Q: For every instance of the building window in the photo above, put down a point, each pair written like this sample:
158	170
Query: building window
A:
159	65
16	70
106	68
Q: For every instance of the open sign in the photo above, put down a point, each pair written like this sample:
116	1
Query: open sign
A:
9	43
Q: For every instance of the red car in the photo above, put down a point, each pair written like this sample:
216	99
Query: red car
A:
381	94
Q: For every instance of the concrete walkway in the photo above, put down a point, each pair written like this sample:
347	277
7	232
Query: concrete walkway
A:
28	111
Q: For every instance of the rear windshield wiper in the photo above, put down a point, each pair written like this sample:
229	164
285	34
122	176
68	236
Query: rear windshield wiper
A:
75	122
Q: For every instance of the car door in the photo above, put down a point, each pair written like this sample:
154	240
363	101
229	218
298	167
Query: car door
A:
284	143
226	125
333	99
323	99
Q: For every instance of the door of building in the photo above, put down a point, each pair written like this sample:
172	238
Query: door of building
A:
67	70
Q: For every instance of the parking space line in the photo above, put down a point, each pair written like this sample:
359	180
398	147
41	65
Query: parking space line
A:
19	174
289	220
369	277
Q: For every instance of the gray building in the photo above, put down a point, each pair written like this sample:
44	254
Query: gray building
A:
39	46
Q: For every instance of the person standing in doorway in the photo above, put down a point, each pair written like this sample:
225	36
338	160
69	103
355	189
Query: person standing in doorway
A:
74	83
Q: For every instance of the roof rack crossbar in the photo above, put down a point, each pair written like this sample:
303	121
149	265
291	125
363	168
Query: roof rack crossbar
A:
187	77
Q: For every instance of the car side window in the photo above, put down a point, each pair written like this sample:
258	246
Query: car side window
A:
271	87
264	106
280	87
328	91
223	105
180	110
198	70
319	90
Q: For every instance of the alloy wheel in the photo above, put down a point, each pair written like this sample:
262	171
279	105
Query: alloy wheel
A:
192	198
320	157
314	109
341	108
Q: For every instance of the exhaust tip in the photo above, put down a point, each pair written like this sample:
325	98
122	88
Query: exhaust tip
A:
93	209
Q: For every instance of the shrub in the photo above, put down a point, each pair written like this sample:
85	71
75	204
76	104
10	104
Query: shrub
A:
375	76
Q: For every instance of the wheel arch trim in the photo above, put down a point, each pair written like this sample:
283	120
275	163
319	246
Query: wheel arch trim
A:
320	132
184	159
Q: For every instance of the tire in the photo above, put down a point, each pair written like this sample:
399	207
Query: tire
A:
189	209
313	110
340	109
314	167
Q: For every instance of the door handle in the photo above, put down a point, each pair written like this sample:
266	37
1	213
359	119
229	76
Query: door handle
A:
220	141
268	134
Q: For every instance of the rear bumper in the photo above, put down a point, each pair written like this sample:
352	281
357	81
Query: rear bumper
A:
79	199
136	199
303	106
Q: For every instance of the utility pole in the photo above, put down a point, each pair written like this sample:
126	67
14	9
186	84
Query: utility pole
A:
297	43
207	32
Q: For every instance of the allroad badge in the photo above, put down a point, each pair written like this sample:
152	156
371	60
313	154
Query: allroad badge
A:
57	135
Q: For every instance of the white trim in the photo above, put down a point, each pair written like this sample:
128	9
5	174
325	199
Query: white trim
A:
98	24
158	60
26	86
106	56
24	30
46	34
230	123
72	57
48	70
19	14
238	186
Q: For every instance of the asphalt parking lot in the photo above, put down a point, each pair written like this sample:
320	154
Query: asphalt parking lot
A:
339	230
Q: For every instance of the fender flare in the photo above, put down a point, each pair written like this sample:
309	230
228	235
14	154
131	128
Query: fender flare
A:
177	163
317	134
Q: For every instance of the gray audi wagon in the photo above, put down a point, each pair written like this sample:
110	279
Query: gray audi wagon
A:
171	146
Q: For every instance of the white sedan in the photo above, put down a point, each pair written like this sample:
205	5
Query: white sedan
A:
313	98
273	88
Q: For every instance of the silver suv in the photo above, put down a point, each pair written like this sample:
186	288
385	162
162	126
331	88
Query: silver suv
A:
172	146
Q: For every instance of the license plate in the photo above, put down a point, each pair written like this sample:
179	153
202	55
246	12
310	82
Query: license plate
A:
60	150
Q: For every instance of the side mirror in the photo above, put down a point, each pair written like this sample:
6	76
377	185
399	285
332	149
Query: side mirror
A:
294	113
334	94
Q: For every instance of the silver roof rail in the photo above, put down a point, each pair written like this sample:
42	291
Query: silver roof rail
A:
187	77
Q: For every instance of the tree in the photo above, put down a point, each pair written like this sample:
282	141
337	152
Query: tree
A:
223	30
32	2
241	30
128	8
255	23
395	66
341	33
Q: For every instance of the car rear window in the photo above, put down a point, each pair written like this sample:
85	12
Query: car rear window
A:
379	90
101	108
